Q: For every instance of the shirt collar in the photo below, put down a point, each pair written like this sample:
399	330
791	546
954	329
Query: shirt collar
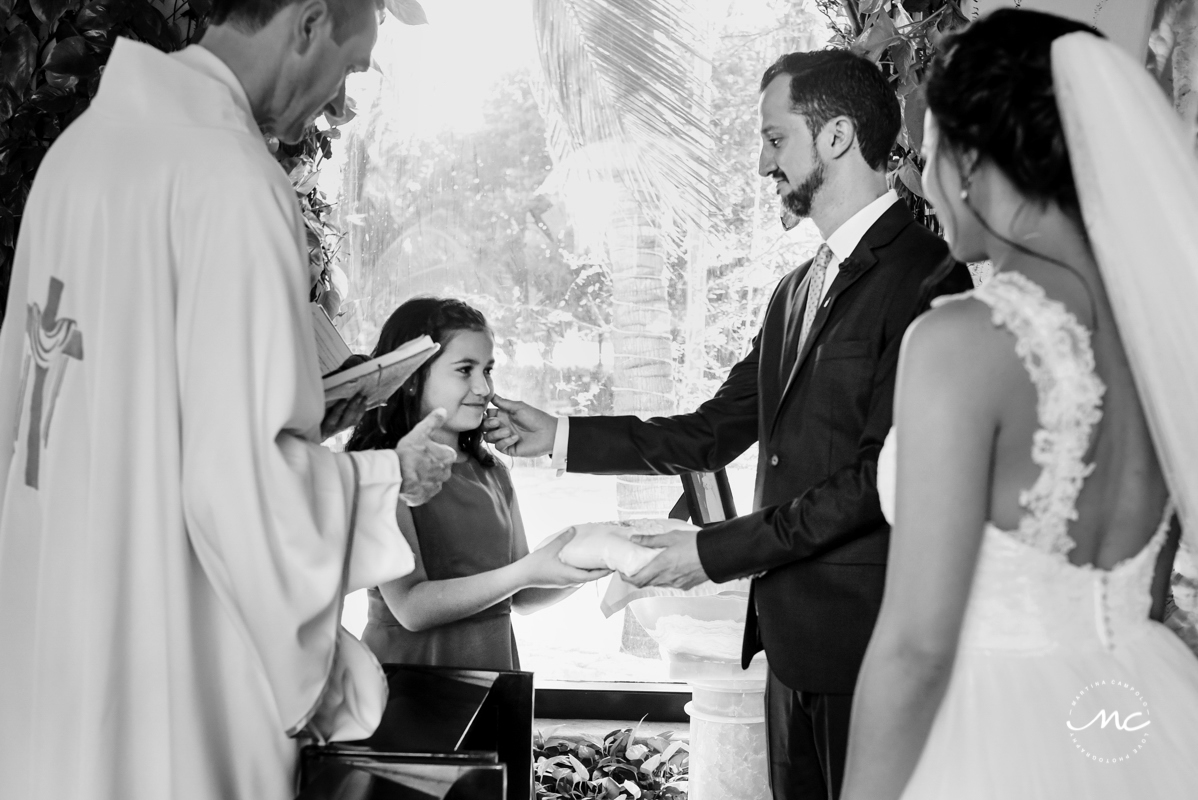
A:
144	84
203	60
844	240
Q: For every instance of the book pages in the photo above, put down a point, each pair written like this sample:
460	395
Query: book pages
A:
380	377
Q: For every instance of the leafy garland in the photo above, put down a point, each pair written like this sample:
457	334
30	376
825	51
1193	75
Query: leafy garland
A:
52	53
302	162
619	766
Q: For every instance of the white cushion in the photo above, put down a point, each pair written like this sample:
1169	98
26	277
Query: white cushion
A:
607	545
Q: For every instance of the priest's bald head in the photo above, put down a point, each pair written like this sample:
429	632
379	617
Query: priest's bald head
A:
292	56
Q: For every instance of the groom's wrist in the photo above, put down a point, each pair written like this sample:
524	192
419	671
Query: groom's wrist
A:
561	445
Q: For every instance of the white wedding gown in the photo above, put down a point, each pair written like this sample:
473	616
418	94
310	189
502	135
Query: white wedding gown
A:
1044	642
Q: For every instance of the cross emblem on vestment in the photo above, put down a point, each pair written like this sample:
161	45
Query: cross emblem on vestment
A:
51	342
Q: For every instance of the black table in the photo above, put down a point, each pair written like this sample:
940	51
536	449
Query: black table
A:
445	733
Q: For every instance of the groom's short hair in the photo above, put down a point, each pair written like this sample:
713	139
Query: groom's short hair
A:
832	83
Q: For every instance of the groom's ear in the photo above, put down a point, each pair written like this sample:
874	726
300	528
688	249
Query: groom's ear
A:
839	135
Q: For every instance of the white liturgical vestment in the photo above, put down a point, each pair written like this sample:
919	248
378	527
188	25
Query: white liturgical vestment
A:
172	534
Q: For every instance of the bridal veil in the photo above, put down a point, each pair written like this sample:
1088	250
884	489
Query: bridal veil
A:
1137	180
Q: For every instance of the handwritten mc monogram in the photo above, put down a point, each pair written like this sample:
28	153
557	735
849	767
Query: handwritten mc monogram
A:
1109	737
1106	719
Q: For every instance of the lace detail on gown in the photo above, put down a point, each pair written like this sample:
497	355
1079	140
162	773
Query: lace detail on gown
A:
1055	349
1027	598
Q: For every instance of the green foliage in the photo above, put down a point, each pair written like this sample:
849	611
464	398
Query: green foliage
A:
51	56
899	36
409	12
456	212
449	212
52	53
302	162
619	766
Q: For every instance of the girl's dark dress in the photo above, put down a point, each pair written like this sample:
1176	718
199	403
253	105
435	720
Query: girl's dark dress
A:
472	525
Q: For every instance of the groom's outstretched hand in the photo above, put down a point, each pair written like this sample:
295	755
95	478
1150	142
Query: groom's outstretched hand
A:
677	566
518	429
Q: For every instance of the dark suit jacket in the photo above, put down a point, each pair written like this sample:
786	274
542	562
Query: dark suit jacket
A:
817	531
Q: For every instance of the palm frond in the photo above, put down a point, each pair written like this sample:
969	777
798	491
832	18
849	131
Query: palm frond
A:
623	99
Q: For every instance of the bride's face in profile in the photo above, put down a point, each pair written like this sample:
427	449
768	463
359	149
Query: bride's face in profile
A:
942	184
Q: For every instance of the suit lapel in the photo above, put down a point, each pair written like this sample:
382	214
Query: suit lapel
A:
851	269
794	324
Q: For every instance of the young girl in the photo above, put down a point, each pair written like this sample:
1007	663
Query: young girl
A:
472	561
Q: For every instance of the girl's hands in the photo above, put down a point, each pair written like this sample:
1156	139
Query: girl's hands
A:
542	567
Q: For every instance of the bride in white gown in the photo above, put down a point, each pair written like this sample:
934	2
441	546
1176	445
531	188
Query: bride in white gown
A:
1042	422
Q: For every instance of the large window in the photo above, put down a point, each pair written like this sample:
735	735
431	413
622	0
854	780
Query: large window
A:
600	205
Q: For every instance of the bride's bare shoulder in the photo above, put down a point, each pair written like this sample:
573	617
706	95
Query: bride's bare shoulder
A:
958	342
957	323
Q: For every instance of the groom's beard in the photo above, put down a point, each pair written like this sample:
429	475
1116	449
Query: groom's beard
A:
798	200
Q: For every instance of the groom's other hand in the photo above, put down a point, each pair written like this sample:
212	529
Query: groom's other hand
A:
677	566
423	463
518	429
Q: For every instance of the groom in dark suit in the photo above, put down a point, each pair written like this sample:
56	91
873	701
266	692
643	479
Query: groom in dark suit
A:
815	393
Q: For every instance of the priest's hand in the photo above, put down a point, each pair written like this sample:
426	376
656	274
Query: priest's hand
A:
343	414
423	463
677	566
518	429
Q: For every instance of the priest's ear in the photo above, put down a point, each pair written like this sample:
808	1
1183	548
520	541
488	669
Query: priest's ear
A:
314	21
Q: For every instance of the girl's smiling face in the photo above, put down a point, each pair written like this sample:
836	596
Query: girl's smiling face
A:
459	381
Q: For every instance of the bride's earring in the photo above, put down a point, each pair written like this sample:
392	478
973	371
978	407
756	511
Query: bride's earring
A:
966	180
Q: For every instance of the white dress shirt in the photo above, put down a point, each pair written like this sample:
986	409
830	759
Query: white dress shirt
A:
843	242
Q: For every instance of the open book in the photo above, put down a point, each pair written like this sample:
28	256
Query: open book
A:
379	377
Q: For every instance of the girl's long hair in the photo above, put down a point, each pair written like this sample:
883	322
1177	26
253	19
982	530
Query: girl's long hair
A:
440	319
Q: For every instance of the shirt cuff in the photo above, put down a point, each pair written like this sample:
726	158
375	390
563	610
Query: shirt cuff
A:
561	445
381	553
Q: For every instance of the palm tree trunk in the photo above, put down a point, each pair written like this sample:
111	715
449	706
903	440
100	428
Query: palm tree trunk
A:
643	382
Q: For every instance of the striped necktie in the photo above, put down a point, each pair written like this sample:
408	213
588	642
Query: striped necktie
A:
815	290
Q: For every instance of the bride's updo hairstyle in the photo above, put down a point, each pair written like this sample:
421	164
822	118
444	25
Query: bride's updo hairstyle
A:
991	92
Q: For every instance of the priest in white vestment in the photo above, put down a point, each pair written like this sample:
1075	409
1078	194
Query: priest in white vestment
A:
172	534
